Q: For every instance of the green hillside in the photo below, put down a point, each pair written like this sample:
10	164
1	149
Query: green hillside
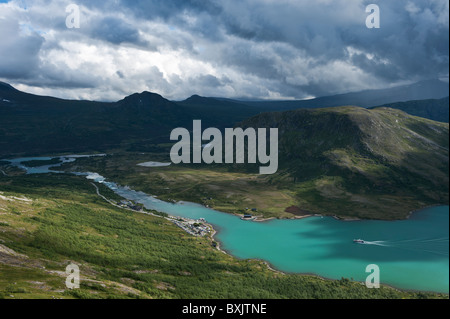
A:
37	125
364	163
48	222
347	161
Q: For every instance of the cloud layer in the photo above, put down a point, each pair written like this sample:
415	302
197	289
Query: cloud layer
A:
273	49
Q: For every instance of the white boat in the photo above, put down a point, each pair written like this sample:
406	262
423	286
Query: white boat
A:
359	241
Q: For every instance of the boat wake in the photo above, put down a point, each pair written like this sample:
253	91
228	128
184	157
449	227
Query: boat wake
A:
377	243
438	246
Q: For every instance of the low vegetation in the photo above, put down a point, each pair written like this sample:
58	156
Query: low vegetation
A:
49	221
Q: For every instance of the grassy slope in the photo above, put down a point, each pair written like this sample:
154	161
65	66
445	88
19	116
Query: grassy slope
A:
49	221
355	162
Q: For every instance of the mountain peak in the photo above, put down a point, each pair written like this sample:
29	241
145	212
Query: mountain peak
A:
148	102
7	86
197	99
146	94
143	98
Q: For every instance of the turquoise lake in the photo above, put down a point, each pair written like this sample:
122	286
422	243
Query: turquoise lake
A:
412	254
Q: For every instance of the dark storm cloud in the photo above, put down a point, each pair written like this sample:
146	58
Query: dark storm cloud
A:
249	59
120	74
63	78
115	31
18	50
206	81
376	65
262	48
169	9
412	40
411	44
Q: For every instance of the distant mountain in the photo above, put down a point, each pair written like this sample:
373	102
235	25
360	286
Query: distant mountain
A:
32	124
218	113
436	110
148	113
379	163
432	89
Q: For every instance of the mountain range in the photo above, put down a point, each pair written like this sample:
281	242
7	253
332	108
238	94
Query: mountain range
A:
430	89
32	124
335	159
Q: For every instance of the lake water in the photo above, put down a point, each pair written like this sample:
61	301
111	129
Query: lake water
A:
412	254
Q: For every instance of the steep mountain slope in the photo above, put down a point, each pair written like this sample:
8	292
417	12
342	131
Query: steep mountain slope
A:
216	112
434	109
358	162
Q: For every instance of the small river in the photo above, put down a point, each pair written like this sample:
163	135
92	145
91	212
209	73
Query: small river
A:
412	254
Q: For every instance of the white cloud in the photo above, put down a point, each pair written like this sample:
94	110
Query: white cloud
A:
260	49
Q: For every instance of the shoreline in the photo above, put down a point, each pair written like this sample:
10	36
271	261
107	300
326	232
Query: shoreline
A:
262	219
418	210
410	214
214	233
272	268
257	218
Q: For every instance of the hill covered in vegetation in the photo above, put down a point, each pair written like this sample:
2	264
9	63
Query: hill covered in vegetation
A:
381	163
51	221
347	161
38	125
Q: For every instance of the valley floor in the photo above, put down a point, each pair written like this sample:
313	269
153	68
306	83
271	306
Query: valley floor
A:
233	190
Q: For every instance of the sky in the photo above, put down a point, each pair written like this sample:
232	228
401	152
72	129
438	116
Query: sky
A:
255	49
